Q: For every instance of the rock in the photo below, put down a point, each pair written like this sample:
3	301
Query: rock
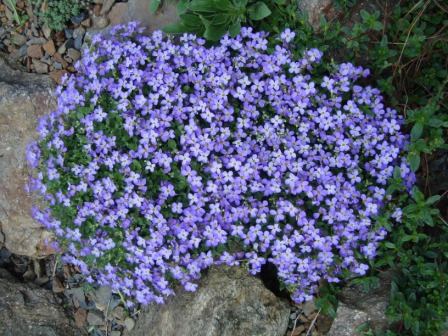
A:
107	5
315	9
58	58
57	75
68	33
129	323
74	54
68	59
37	40
49	47
96	9
5	255
78	32
18	39
357	307
47	31
228	301
77	19
86	23
78	41
57	66
81	318
23	99
95	318
27	310
70	43
40	67
102	297
99	22
309	308
62	49
22	51
35	51
119	313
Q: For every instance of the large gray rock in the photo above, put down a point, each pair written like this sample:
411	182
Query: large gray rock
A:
315	9
357	307
228	302
28	310
24	98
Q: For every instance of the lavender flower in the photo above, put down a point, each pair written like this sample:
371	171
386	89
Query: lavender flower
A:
164	158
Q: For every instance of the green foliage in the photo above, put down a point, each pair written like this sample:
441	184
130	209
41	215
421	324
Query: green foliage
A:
59	13
19	19
212	19
344	4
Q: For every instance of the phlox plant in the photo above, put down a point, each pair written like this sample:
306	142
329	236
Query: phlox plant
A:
165	157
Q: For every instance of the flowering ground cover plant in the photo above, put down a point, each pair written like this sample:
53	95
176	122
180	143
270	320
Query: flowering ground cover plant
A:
164	158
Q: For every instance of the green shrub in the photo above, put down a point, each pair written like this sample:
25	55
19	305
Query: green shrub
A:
59	13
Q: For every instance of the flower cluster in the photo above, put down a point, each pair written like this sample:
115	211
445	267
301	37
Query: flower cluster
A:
164	158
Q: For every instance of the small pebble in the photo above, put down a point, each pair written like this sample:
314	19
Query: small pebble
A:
68	59
57	66
68	33
77	19
18	39
47	31
35	51
36	40
86	23
129	323
49	47
95	318
41	281
5	254
70	43
99	22
78	42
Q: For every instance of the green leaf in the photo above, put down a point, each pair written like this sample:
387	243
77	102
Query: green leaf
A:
180	28
224	5
154	6
235	28
191	19
181	7
220	19
258	11
416	131
389	245
215	32
202	6
432	199
365	15
414	162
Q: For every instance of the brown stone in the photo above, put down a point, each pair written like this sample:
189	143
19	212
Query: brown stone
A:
57	75
58	58
40	67
74	54
80	318
97	10
49	47
35	51
86	23
99	22
60	36
24	98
